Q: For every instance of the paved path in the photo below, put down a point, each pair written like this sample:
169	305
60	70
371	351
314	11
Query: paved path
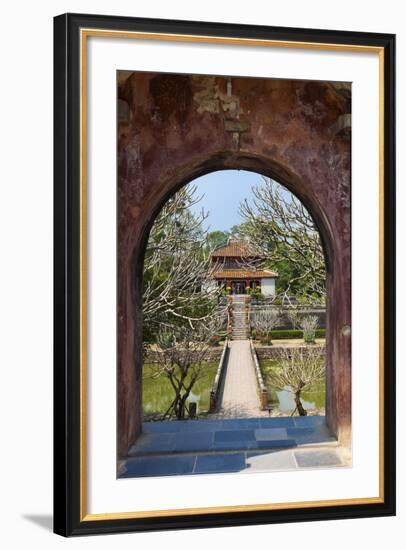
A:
240	396
232	445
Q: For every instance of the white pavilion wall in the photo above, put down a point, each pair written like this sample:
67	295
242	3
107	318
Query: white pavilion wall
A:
268	287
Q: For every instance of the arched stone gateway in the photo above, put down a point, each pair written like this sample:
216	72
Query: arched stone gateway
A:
174	128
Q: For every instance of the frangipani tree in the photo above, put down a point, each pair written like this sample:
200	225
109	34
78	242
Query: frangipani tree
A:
182	358
264	321
298	368
309	325
177	267
282	231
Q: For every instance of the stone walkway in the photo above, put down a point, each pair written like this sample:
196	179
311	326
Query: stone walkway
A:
239	397
229	445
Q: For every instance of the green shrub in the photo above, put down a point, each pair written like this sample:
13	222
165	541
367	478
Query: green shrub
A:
291	334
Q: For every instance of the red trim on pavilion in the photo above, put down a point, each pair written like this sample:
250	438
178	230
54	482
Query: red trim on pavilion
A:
237	266
244	274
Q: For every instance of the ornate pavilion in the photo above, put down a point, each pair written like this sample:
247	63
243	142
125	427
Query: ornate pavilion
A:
238	268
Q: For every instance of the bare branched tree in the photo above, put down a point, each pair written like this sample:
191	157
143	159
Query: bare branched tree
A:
265	320
280	228
298	369
177	267
182	358
293	315
309	325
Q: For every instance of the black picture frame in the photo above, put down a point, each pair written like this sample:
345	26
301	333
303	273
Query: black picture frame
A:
67	357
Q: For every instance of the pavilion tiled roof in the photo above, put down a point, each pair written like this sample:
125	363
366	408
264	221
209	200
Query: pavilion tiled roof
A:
244	274
235	248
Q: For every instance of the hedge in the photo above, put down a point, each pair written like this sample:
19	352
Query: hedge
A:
291	334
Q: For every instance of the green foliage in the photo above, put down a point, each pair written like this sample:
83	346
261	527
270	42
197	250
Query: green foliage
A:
257	295
282	231
176	268
291	334
217	238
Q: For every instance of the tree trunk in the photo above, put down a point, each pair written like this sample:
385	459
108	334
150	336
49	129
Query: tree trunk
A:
180	409
299	406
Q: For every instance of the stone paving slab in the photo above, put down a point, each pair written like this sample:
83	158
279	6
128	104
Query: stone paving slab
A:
232	462
220	463
302	432
274	444
154	443
174	426
171	426
223	436
240	423
153	466
188	442
308	436
308	421
231	435
270	461
271	434
278	422
317	459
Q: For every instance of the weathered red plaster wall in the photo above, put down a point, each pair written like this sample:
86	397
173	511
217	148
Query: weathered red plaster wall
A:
173	128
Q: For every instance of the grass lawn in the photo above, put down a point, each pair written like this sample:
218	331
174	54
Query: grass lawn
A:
157	392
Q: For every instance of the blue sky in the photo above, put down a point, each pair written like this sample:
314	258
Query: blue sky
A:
223	191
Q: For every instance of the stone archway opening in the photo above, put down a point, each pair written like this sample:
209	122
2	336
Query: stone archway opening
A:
210	213
302	161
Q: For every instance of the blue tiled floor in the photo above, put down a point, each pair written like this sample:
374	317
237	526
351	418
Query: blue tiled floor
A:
224	436
308	421
220	463
194	441
208	446
279	422
156	442
230	435
165	465
274	444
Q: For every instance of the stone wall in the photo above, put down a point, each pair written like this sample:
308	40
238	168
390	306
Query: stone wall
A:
273	352
212	355
178	127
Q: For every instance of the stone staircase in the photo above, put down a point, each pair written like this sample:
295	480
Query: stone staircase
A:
239	317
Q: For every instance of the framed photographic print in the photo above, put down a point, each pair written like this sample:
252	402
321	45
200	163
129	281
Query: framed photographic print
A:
224	274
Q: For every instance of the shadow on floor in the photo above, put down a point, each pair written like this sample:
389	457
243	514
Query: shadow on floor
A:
42	520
